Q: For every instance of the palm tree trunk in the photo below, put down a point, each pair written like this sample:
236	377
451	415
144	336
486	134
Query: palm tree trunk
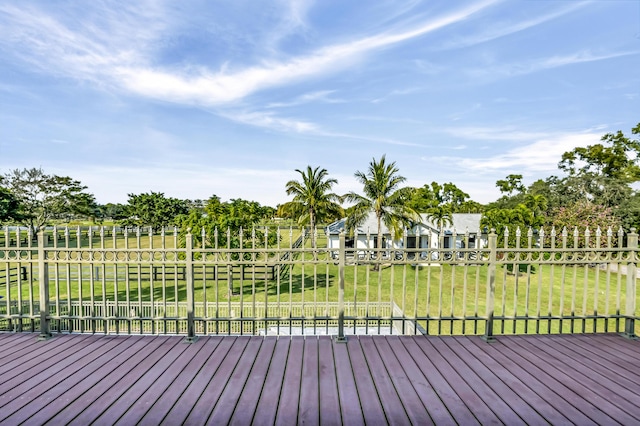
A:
376	266
312	222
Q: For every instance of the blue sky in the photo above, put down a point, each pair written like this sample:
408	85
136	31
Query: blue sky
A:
201	97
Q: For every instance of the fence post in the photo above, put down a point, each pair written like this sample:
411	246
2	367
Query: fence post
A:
341	265
43	277
191	333
491	286
630	313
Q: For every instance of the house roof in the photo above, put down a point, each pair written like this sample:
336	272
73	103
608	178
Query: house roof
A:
369	225
461	223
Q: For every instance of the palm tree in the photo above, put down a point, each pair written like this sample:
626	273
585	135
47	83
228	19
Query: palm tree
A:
441	215
382	196
312	200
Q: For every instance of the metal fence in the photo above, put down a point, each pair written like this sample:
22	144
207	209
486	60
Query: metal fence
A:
272	281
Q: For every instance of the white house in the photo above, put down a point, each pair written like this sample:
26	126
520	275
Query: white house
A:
423	234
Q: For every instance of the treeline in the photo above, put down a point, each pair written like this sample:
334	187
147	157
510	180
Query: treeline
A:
596	188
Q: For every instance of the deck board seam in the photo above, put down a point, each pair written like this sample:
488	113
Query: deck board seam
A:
568	383
46	393
605	383
481	355
465	375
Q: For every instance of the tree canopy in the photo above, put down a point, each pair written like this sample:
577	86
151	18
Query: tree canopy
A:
42	197
153	209
383	196
313	200
9	206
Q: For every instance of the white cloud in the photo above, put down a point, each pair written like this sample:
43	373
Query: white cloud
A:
542	155
91	55
319	96
505	133
270	120
397	92
542	64
502	29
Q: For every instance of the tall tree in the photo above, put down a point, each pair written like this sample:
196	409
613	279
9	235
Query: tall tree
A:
154	209
9	206
511	185
435	195
384	197
441	216
222	223
313	200
232	215
583	215
43	197
616	158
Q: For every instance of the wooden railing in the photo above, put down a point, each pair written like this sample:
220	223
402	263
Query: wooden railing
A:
88	280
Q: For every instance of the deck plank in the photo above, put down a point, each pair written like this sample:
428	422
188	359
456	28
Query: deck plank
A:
329	409
436	409
103	392
493	389
267	405
172	368
163	404
556	379
67	392
184	403
255	385
67	373
581	381
408	397
473	388
599	382
204	404
350	408
32	360
367	393
394	409
290	392
226	403
10	344
309	407
148	380
461	400
626	366
542	398
46	374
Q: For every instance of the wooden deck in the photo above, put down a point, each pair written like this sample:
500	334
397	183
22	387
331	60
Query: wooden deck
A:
150	380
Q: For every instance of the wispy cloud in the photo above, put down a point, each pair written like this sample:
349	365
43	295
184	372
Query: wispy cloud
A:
502	29
542	155
319	96
501	133
91	55
293	19
384	119
542	64
397	92
270	120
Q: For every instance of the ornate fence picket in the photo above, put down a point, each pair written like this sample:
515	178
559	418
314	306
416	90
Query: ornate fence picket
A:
273	281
